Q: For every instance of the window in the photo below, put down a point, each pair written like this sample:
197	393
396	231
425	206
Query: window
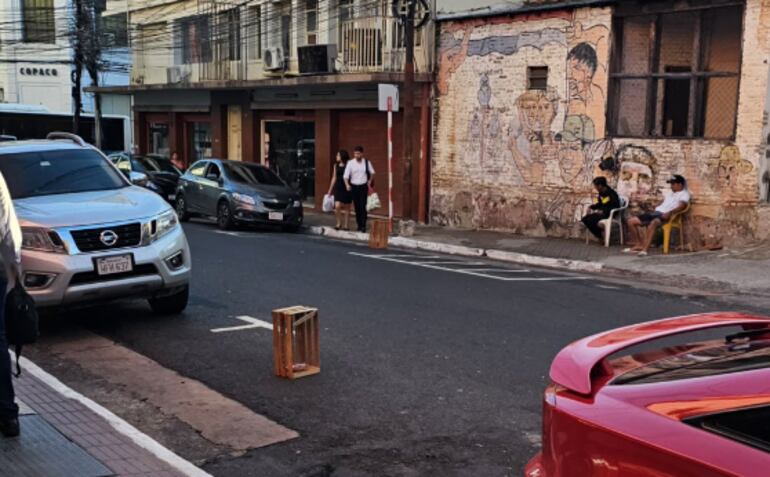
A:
311	21
748	426
254	32
229	37
198	169
537	77
32	174
345	10
675	73
195	38
213	173
251	174
115	28
38	21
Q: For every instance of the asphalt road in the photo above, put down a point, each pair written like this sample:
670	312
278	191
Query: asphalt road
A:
431	365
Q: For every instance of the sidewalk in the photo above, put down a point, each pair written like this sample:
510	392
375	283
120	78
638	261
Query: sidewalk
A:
744	271
64	434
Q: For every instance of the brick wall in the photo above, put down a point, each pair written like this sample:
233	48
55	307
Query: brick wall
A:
510	158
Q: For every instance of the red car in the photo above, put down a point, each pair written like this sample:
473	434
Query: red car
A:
690	410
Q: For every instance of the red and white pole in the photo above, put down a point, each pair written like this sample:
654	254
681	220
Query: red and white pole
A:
390	164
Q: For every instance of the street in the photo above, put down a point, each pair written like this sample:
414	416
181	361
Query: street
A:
431	365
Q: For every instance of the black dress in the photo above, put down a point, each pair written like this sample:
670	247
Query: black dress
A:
341	194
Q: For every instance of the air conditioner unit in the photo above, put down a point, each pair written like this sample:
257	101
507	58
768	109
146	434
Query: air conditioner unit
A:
274	58
316	59
178	74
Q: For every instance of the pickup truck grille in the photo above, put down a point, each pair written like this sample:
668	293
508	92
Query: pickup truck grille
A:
88	240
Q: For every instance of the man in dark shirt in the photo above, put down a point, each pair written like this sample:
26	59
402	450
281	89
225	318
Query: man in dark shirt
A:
601	208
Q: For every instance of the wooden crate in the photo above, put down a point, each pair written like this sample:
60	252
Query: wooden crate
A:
296	352
378	235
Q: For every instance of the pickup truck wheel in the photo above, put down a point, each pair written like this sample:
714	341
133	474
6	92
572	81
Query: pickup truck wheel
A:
181	209
171	304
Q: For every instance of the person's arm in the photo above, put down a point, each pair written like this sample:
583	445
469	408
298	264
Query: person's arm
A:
679	208
10	232
346	176
334	181
371	174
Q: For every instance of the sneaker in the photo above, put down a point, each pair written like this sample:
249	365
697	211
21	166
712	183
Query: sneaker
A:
9	427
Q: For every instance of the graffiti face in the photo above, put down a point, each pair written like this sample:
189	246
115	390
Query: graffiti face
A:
635	180
731	166
537	111
579	77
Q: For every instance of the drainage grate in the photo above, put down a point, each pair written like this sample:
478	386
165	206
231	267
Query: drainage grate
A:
42	451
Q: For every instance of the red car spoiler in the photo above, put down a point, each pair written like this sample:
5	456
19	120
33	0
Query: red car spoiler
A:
575	365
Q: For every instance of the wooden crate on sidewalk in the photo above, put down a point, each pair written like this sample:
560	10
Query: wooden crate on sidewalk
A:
378	235
296	351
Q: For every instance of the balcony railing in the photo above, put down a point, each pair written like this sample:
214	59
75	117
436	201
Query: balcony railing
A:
376	45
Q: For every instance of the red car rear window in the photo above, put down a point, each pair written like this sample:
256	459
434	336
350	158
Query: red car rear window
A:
749	426
728	358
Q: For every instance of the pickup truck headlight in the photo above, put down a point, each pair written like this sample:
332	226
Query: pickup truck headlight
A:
244	199
160	226
41	240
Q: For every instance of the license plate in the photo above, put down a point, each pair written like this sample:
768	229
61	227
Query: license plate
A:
275	215
113	265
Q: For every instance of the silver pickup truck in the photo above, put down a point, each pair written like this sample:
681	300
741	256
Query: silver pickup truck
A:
89	235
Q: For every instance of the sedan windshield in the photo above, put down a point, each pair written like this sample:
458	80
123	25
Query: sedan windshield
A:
154	164
251	174
31	174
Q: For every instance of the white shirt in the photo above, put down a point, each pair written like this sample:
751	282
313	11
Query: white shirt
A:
673	200
10	233
355	171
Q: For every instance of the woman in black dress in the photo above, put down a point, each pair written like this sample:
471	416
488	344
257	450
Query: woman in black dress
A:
342	197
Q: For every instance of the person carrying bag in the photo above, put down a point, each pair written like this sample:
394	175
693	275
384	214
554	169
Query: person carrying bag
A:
359	176
18	319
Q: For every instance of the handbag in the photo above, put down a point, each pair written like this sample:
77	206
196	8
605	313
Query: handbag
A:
22	324
372	202
328	203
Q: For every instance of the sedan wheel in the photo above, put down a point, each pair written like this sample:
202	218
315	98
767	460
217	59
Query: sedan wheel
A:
181	209
224	216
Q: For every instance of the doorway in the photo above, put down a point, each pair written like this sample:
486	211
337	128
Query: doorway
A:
676	103
288	148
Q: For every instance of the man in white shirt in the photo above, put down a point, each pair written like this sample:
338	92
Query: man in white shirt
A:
673	203
358	176
10	270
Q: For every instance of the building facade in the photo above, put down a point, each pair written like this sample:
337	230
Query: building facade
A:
282	83
535	102
36	55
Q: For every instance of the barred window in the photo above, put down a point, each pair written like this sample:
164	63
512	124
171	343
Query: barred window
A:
115	28
675	73
38	21
254	32
195	38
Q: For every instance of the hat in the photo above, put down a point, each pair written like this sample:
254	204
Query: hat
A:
677	179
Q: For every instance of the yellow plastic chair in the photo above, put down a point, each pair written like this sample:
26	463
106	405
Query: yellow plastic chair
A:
675	222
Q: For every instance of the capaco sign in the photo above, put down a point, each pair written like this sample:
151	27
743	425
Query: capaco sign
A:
41	71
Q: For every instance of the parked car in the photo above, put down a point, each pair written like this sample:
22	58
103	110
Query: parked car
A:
162	175
237	193
89	234
684	410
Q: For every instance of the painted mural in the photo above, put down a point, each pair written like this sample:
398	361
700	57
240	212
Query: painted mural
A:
520	159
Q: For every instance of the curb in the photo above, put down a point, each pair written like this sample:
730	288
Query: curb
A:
461	250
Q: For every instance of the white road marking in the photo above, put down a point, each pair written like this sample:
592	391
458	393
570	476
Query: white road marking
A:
388	258
137	437
497	270
451	262
253	323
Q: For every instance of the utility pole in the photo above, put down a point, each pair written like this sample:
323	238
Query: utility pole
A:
77	73
93	61
408	97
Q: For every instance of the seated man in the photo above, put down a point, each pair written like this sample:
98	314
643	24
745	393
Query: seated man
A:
606	201
675	202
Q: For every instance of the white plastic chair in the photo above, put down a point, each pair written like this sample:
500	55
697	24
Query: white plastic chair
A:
616	218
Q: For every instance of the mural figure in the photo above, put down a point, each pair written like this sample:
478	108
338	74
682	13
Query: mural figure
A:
730	168
532	143
578	133
452	54
636	176
584	95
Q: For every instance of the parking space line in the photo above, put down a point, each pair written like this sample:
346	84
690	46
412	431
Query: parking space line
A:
497	270
253	323
390	258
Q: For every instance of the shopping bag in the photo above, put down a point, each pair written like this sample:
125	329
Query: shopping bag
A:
372	202
328	203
